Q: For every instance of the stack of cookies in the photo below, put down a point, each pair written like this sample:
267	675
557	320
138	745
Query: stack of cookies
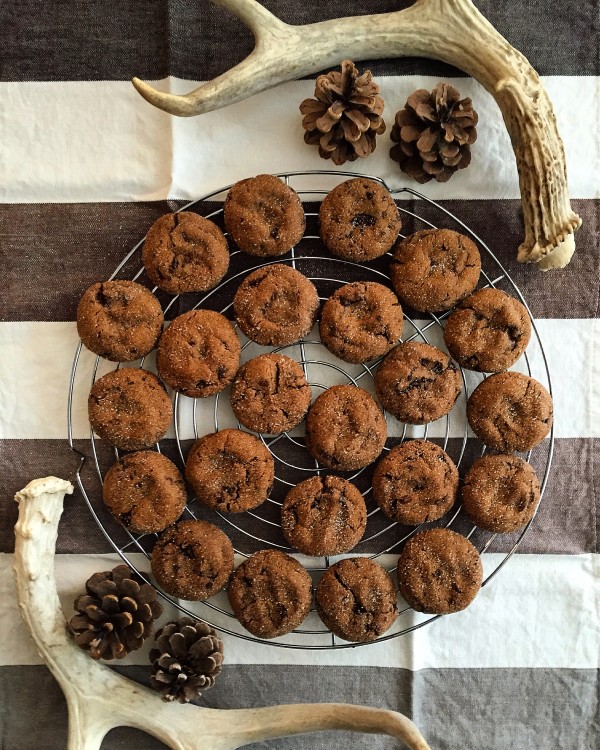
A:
232	471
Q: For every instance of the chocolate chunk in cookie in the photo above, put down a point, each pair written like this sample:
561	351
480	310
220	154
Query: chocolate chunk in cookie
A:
356	599
270	394
264	216
199	353
130	408
434	269
324	516
417	383
416	482
510	412
359	220
270	594
276	305
488	331
361	321
345	429
119	320
230	471
439	572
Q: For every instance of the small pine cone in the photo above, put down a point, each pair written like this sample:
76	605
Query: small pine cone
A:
116	615
186	660
434	133
345	117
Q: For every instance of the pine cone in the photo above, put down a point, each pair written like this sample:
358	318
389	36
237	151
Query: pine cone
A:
345	117
116	614
434	132
187	659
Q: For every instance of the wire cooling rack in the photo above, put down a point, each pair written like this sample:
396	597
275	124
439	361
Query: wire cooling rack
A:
193	418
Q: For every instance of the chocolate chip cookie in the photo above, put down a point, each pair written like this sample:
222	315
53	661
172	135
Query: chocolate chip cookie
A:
361	321
417	383
145	492
510	412
198	354
356	599
276	305
192	560
270	594
324	516
439	572
359	220
230	471
488	331
500	493
345	429
184	252
264	216
270	394
129	408
434	269
119	320
416	482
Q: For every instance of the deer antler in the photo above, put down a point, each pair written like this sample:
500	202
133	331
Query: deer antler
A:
99	699
449	30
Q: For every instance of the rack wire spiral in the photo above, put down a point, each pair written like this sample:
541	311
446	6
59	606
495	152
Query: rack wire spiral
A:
193	418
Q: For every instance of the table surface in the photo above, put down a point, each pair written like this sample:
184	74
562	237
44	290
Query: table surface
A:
87	166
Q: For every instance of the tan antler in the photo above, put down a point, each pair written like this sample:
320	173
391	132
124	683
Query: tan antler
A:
99	699
449	30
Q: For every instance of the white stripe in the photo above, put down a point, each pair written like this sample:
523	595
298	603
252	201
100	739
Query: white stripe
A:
36	364
99	141
540	611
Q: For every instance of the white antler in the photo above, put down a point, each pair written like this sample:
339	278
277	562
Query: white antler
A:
449	30
99	699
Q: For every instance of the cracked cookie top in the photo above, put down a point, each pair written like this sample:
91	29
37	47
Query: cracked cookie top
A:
199	353
434	269
356	599
184	252
270	394
230	471
361	321
488	331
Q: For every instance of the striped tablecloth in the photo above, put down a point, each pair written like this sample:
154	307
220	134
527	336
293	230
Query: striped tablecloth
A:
86	166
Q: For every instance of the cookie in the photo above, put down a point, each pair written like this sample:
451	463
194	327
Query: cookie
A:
324	516
230	471
434	269
359	220
439	572
417	383
270	394
510	412
500	493
119	320
198	354
270	594
345	429
192	560
276	305
361	321
416	482
145	492
264	216
184	252
488	331
356	599
129	408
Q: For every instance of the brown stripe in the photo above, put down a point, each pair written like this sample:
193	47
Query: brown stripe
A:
566	521
53	252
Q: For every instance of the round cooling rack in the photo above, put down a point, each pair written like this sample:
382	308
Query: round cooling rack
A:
193	418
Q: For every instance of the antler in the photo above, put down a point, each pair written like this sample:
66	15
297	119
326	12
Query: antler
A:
449	30
99	699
